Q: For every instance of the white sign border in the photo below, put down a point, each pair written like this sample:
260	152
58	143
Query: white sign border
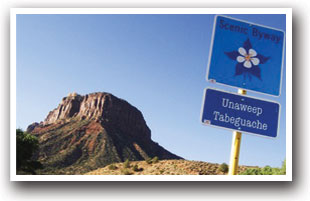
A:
211	51
230	129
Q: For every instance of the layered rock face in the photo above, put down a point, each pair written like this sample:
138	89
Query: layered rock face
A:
103	107
87	132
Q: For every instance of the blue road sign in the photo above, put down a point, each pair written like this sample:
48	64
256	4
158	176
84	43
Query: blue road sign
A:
240	113
246	55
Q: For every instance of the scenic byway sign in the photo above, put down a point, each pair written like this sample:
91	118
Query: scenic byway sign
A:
241	113
246	55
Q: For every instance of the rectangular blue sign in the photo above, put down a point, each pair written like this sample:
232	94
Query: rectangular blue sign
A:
246	55
240	113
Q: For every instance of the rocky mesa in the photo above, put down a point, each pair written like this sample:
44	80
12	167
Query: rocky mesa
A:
88	132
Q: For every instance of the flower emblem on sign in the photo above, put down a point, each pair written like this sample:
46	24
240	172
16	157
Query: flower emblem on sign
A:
248	60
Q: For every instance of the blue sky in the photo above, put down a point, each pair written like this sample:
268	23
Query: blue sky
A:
157	63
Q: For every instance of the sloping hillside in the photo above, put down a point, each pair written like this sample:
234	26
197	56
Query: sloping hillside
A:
88	132
162	167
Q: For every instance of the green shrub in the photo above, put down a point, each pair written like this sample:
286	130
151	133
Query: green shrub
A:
283	169
136	168
26	145
267	170
276	171
252	171
148	161
112	167
127	163
126	172
155	159
161	171
223	168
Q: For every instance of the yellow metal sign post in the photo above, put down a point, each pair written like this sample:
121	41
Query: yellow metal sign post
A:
235	147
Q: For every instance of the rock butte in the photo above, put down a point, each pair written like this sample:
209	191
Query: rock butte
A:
88	132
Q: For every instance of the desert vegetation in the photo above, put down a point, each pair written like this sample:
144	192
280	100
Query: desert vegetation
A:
26	146
154	166
267	170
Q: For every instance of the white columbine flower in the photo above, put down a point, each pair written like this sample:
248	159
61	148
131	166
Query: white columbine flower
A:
247	58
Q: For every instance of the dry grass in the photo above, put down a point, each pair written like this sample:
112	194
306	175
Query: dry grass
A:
166	167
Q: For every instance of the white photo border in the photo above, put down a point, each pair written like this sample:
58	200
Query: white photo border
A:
16	11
